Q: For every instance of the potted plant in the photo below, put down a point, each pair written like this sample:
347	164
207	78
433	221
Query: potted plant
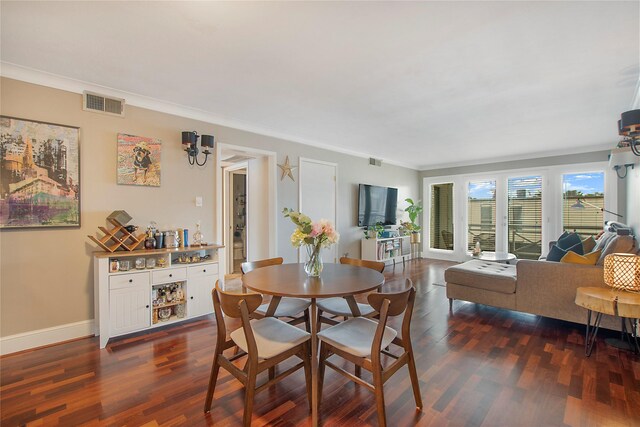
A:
414	209
374	231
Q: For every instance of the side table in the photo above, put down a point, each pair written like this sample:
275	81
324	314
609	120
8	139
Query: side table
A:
612	302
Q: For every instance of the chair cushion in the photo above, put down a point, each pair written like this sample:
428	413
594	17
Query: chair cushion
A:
490	276
340	307
288	307
355	336
273	337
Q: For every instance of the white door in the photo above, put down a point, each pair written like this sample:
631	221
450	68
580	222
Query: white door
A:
318	192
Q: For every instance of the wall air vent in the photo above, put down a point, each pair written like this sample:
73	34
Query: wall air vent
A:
102	104
375	162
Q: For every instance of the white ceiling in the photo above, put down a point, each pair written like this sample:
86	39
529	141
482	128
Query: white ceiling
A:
421	84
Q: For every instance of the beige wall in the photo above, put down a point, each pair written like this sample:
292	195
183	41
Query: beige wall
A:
46	276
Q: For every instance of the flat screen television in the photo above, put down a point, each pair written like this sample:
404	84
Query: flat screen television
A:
376	204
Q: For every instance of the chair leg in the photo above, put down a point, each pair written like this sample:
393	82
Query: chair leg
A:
450	304
379	391
358	371
319	321
272	372
249	393
307	321
306	359
324	353
413	374
213	378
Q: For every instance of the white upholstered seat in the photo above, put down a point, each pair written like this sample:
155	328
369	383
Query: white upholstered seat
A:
288	307
339	307
355	336
273	337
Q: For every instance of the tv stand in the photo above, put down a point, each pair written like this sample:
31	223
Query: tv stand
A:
387	250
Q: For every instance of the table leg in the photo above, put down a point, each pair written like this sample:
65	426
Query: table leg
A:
590	338
314	363
273	305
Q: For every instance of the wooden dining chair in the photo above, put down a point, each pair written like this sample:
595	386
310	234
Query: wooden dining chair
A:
339	306
363	341
266	342
287	307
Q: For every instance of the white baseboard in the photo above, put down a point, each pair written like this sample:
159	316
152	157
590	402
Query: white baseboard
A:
38	338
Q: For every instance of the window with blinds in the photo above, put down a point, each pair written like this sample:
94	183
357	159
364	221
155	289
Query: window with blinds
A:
582	202
481	219
441	226
524	211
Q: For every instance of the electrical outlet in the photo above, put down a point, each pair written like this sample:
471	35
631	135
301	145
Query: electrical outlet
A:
199	202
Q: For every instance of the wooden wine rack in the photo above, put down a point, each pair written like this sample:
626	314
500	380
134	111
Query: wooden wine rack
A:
117	237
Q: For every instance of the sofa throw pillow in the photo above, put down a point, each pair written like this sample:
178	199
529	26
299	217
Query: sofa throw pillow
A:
568	241
619	244
573	258
556	253
588	244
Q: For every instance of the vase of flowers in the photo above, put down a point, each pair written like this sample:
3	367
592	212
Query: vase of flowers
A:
313	236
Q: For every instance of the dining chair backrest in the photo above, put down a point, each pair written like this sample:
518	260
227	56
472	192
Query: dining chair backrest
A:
398	301
374	265
230	303
394	304
252	265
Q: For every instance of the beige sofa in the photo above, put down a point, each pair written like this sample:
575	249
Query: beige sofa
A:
538	287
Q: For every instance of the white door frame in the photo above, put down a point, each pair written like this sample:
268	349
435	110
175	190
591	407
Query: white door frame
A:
301	160
228	171
272	213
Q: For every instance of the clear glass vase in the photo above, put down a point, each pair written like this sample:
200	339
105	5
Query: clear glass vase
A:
313	267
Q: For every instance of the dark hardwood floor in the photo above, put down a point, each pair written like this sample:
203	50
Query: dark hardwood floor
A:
479	366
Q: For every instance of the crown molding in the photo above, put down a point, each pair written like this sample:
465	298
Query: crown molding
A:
529	156
43	78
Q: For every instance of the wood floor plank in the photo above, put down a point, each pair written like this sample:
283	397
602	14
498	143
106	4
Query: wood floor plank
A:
477	366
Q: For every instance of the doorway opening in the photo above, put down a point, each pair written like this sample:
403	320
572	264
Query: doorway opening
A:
248	200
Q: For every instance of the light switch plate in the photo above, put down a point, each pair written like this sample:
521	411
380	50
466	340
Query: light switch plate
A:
199	202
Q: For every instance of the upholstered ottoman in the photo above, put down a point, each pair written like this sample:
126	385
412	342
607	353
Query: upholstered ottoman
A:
483	282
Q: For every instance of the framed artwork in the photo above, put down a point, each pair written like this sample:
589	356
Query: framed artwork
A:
139	160
39	174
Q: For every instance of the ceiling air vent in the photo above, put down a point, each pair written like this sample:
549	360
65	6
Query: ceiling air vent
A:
375	162
102	104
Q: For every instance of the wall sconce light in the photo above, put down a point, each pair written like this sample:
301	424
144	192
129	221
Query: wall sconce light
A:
629	127
190	144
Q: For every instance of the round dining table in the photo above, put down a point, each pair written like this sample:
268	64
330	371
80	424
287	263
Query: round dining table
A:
290	280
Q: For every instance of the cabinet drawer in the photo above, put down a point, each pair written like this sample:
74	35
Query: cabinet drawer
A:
126	280
169	275
202	270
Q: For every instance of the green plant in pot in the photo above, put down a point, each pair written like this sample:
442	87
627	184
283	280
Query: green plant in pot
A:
414	209
372	230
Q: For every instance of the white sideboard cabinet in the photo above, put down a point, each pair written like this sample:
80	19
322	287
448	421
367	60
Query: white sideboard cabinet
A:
390	249
145	289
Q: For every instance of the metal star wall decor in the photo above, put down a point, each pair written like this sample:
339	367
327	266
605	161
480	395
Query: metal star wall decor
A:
287	169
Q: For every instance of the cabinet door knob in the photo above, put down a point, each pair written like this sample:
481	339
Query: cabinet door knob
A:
204	270
191	297
146	306
130	280
171	275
